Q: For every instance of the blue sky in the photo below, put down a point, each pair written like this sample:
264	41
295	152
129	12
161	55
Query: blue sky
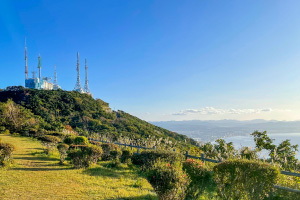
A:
164	60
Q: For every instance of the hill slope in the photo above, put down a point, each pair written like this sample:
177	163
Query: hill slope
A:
36	176
88	116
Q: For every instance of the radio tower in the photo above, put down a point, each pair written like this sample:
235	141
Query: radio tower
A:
55	77
26	73
40	73
86	86
55	84
78	87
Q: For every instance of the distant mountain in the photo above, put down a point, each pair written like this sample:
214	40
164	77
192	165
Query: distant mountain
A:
211	129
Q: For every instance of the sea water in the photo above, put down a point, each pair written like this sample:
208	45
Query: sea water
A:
240	141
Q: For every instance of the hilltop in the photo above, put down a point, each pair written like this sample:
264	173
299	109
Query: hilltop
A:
57	109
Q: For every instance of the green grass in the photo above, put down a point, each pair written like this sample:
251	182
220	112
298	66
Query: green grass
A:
35	175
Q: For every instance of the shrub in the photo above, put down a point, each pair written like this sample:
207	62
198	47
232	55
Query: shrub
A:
107	148
58	134
2	129
147	158
115	157
49	142
168	181
244	179
126	156
290	182
6	153
248	153
200	175
62	149
95	143
84	157
95	153
81	140
69	140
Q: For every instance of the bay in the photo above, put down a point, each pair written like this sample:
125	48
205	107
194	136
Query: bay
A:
240	141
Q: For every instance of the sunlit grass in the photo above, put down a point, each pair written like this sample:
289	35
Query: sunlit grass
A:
35	175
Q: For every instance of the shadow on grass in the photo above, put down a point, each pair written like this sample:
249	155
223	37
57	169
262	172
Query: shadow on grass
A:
144	197
108	172
40	169
41	158
36	148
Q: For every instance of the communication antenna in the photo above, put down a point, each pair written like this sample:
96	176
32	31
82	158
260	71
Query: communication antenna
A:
86	86
26	72
78	87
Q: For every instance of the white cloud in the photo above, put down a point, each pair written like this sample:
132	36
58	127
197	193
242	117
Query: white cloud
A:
218	111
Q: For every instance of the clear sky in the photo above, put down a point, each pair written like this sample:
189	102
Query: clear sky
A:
164	59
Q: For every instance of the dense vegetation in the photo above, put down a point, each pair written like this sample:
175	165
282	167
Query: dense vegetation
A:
62	121
41	111
284	154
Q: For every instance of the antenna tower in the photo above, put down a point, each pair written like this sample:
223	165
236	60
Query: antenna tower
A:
78	87
55	77
26	72
40	73
86	86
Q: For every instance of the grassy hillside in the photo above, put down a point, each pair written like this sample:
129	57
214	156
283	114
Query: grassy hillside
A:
88	116
36	176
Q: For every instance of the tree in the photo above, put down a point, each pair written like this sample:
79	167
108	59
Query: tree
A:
286	154
49	142
18	118
262	141
62	149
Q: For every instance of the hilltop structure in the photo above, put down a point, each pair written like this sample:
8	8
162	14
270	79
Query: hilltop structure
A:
55	86
86	86
40	83
44	83
78	87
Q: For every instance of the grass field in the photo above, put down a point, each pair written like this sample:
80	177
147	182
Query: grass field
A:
37	176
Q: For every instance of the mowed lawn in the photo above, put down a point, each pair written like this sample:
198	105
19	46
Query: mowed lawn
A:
36	176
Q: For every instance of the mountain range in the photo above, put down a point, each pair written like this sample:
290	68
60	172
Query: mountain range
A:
212	129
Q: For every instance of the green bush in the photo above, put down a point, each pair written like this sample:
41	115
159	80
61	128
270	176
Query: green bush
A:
95	153
115	157
6	153
81	140
85	156
147	158
50	139
200	175
69	140
2	129
168	181
244	179
290	182
49	142
62	149
58	134
107	148
126	156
